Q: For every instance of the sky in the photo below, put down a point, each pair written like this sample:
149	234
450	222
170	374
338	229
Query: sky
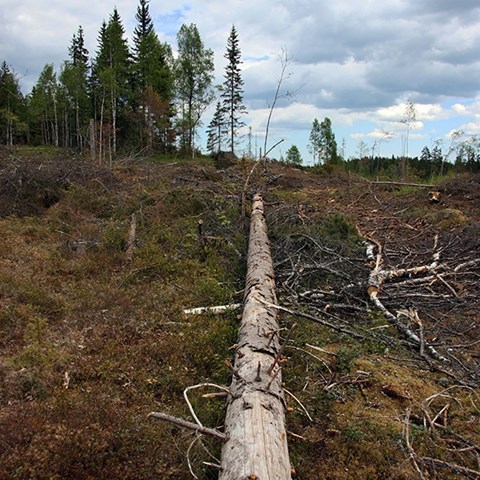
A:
358	63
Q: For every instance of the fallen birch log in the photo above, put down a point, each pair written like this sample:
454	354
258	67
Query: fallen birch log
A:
256	445
376	280
214	310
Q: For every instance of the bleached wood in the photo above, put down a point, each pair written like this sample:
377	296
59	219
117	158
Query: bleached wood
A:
255	420
376	280
132	236
186	424
214	310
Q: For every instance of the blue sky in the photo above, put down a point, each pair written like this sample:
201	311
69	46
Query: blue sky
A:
357	63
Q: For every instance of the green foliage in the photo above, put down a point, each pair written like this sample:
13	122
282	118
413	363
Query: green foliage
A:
293	156
232	89
37	354
216	130
115	236
345	358
12	107
193	82
207	343
323	145
43	108
338	226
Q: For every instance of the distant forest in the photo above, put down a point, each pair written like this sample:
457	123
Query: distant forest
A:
143	99
122	98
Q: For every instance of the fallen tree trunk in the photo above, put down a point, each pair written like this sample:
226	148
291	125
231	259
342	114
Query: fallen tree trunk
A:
256	446
378	276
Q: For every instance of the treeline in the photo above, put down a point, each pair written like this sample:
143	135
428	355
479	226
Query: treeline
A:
125	98
429	165
462	155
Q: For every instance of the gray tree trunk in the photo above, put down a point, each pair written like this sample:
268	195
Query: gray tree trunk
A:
255	420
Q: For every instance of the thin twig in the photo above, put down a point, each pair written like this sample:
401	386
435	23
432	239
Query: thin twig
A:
299	403
200	385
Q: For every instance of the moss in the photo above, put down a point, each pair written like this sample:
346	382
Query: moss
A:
116	331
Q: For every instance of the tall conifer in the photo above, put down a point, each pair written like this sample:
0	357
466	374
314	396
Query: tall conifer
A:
11	106
111	71
74	82
152	77
216	131
232	91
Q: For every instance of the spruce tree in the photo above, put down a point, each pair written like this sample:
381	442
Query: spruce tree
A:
143	36
232	92
12	110
152	79
216	131
145	24
294	157
75	96
111	72
78	52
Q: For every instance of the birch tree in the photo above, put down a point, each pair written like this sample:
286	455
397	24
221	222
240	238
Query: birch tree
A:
194	77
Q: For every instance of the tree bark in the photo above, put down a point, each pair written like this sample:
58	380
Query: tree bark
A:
92	140
255	420
132	237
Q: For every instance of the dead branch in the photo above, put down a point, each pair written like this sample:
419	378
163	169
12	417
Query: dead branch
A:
213	310
190	425
399	184
467	472
379	276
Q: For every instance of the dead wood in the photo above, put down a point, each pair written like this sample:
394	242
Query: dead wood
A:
214	310
132	236
255	418
186	424
400	184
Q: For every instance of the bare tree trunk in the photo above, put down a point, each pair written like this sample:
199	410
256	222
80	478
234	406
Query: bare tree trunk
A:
255	418
114	124
92	139
101	140
55	116
77	126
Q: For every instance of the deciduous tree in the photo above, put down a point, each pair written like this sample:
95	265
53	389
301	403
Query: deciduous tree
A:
409	117
74	92
328	144
194	77
43	107
314	145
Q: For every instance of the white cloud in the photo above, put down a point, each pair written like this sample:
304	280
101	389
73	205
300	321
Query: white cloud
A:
469	128
356	62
